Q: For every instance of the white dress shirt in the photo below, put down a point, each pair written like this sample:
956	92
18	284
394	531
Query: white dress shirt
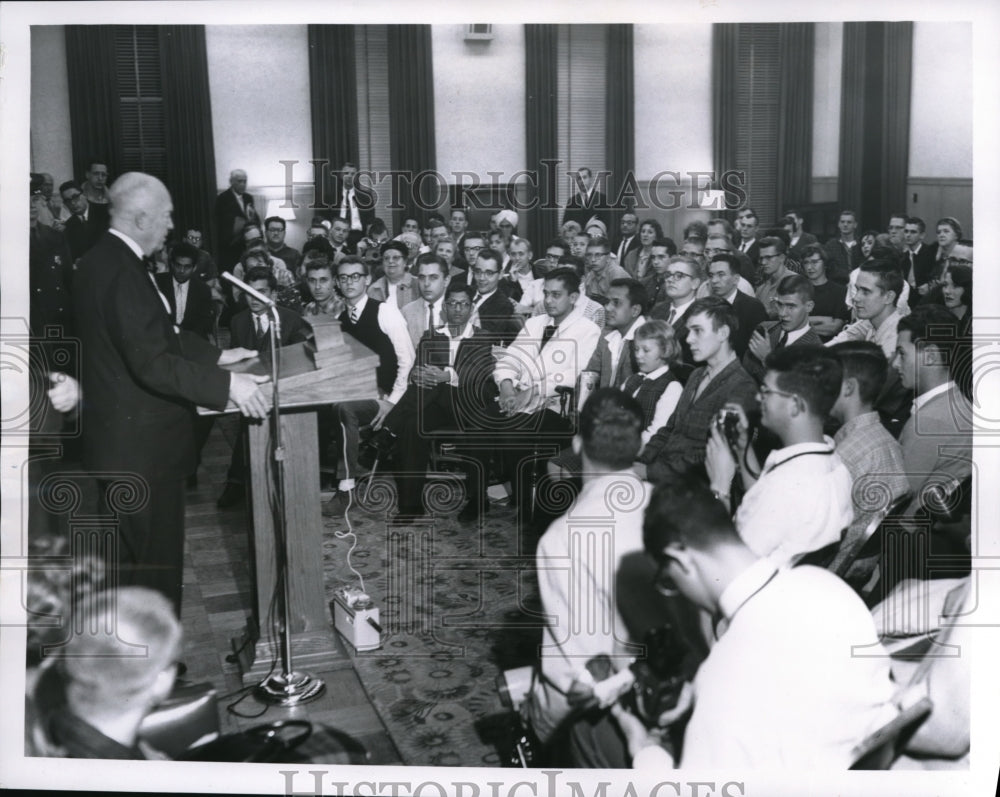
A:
180	299
392	323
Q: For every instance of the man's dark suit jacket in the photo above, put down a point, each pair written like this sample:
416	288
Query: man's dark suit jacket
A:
923	265
229	233
753	252
661	312
292	328
82	235
581	212
141	380
199	312
841	260
772	331
634	244
680	445
750	312
496	316
364	198
474	364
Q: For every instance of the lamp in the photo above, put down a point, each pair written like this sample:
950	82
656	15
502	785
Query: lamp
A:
280	208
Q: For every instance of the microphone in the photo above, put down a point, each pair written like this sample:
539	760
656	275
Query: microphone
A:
260	297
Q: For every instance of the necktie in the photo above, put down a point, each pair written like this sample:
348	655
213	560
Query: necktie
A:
673	316
430	317
547	334
354	315
782	340
912	276
260	327
632	384
478	296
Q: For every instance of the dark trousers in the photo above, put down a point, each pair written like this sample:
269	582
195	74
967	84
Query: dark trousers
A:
150	537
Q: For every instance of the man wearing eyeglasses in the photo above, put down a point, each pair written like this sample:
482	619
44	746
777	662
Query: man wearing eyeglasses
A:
800	501
681	281
88	222
780	687
379	326
600	270
492	310
774	269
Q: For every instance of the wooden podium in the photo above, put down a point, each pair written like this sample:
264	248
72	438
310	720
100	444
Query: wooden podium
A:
334	368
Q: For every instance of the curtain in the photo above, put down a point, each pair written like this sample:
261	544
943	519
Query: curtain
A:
541	129
620	114
875	119
95	116
795	111
411	100
190	148
333	104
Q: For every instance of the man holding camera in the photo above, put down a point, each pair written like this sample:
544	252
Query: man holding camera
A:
781	687
800	500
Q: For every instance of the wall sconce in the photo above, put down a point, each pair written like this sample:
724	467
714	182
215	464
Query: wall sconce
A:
274	208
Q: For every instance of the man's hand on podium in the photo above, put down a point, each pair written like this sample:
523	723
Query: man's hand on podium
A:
230	356
245	394
384	408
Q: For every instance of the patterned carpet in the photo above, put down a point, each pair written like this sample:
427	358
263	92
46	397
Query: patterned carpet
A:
458	602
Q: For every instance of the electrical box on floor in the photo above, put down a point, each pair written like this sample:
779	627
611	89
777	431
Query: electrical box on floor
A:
356	618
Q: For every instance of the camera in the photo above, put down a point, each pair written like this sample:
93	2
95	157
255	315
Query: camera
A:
728	422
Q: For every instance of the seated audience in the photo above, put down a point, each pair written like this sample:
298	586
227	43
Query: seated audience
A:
574	587
274	230
526	289
322	285
613	360
844	253
879	285
659	259
190	299
793	302
91	700
718	245
680	445
780	688
492	310
829	313
774	268
637	260
600	271
800	501
426	313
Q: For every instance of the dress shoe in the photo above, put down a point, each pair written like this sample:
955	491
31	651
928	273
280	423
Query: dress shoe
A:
337	506
232	495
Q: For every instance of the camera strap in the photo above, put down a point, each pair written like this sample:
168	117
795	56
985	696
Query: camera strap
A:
720	623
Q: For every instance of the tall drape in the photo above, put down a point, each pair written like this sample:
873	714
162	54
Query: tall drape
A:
541	130
795	113
620	114
333	104
95	116
725	43
187	118
875	119
411	126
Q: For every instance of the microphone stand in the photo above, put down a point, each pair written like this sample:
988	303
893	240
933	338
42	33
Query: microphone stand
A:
287	688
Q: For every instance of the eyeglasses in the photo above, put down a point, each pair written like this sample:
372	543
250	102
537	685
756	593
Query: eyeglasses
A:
764	391
472	248
482	272
764	258
350	278
676	275
458	305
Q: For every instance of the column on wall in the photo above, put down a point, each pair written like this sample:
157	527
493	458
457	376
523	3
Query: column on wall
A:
541	129
333	103
875	119
411	100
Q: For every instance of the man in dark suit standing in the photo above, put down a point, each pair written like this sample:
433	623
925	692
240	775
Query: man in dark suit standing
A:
352	202
234	210
142	379
723	278
748	225
918	260
587	202
629	237
793	303
88	222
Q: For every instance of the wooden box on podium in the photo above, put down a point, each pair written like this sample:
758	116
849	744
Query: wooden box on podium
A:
332	368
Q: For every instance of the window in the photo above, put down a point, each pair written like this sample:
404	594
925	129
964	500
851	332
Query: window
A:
140	94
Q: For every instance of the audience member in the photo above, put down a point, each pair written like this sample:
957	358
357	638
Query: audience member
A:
190	299
613	360
781	686
680	445
793	302
397	285
574	586
355	204
774	268
659	259
829	313
50	268
724	283
426	313
628	240
600	270
800	501
592	311
87	222
682	279
95	186
636	259
919	265
844	252
879	285
234	210
492	311
798	238
326	302
586	202
274	230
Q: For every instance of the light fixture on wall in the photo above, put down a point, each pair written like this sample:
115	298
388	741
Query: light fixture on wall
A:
280	208
478	33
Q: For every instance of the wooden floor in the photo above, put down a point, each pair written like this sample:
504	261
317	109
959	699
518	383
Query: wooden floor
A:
217	603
